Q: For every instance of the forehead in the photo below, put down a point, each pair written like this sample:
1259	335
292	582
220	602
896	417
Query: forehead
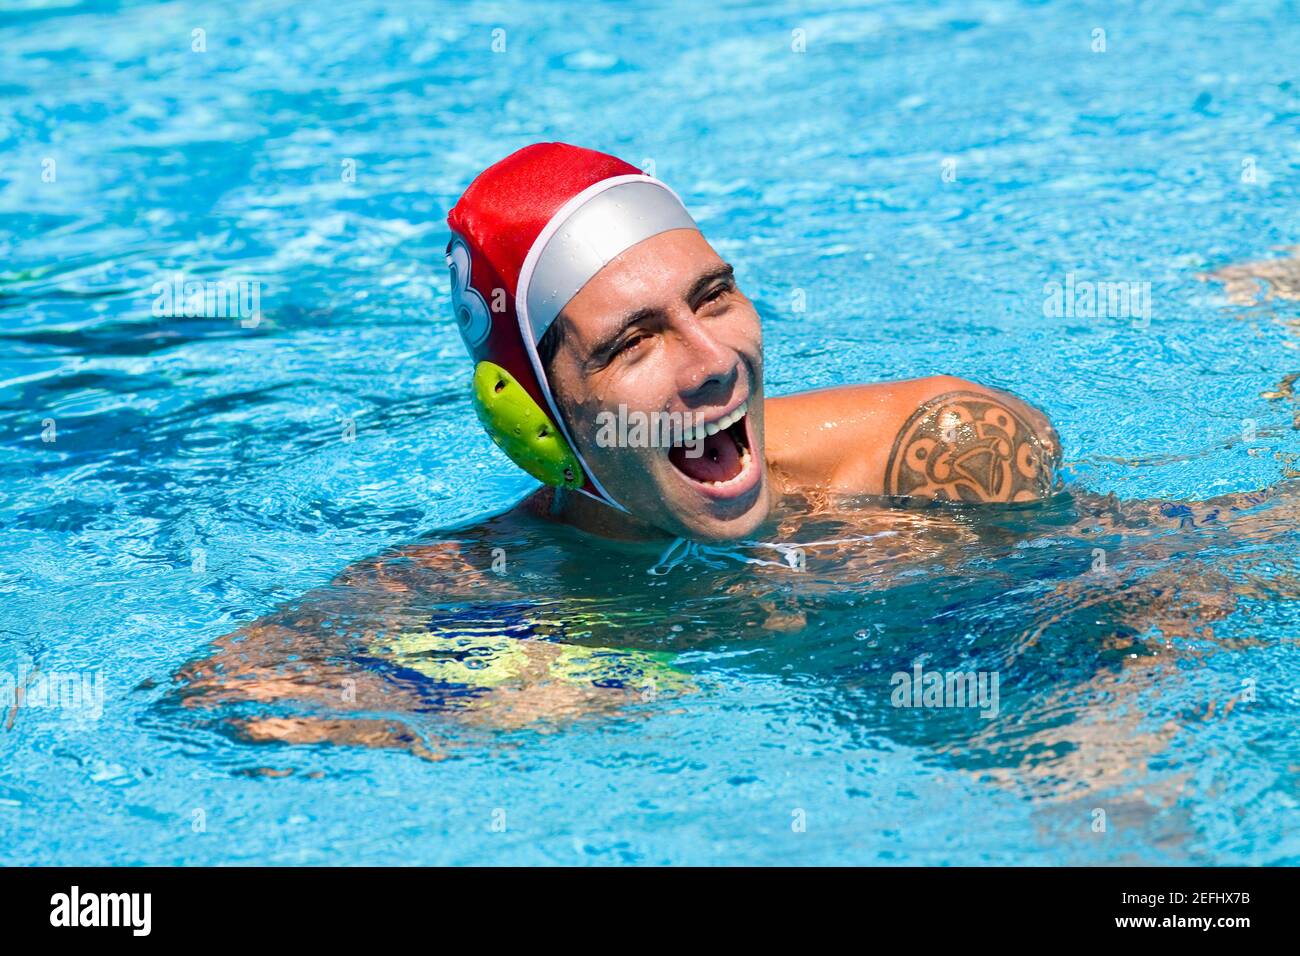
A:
655	273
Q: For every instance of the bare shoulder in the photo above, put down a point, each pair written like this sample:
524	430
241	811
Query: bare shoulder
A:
940	437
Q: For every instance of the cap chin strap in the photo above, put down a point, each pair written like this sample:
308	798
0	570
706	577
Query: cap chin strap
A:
595	226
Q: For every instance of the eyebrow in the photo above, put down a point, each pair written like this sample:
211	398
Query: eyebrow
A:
697	289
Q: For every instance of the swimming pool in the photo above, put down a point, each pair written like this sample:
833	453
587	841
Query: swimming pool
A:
898	199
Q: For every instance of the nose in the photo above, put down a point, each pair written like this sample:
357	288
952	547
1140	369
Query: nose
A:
709	368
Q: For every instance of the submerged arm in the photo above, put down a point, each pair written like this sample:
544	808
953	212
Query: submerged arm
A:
364	659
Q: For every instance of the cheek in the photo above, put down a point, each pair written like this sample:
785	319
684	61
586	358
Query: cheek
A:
594	422
743	330
644	385
754	328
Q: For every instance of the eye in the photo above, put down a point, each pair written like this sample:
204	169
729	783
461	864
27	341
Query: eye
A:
631	343
717	292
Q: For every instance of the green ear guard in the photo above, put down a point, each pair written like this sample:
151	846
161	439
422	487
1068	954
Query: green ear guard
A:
521	429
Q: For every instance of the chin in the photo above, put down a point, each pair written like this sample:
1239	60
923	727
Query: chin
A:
702	518
710	528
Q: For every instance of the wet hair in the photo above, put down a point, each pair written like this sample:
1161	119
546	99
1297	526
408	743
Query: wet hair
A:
550	344
547	349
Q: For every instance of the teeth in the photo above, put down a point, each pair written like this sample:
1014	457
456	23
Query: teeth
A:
722	424
729	420
744	467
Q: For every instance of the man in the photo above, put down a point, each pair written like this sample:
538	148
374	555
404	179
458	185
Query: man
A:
587	295
588	299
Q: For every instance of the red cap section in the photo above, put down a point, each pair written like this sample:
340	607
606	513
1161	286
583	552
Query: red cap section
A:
508	205
498	219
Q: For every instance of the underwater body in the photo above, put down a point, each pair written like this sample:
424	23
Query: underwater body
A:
293	563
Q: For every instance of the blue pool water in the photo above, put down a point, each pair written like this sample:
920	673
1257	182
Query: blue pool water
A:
916	176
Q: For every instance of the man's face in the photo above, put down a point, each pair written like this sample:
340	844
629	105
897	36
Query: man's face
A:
662	328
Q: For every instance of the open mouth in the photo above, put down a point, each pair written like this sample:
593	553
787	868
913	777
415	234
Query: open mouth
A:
725	468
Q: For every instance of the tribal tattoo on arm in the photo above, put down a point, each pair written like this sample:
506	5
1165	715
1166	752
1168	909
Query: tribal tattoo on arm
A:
973	447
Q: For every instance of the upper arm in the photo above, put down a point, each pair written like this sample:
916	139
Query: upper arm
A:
939	437
971	444
965	442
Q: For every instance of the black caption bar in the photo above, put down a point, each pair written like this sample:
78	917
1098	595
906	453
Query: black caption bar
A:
336	906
